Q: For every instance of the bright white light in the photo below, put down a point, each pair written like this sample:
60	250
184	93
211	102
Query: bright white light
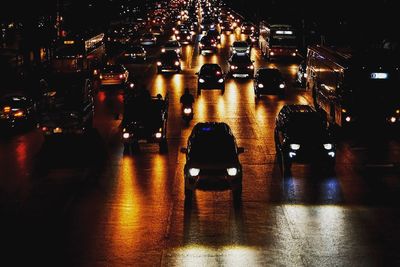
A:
348	119
159	63
379	75
126	135
221	80
393	119
163	50
158	135
232	171
328	146
295	146
282	86
260	85
331	154
292	154
176	63
194	171
187	110
201	80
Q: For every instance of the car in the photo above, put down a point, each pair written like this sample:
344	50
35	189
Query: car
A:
183	36
169	61
16	109
207	24
214	34
210	76
301	74
157	30
227	27
241	66
148	39
240	48
207	45
113	74
247	27
212	160
302	135
269	81
145	120
135	53
172	45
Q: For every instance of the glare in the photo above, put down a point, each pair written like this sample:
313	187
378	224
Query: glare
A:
232	171
194	171
295	146
328	146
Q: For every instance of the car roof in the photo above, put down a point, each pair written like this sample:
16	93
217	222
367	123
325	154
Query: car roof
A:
294	109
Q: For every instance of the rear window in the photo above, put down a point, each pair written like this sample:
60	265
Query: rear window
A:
213	149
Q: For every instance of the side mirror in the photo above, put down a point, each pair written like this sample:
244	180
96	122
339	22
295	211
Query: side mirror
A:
183	150
240	150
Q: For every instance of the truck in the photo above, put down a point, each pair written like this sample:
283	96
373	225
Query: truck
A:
67	105
354	85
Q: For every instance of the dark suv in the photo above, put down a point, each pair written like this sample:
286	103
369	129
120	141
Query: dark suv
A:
302	136
212	161
269	81
207	45
210	76
241	66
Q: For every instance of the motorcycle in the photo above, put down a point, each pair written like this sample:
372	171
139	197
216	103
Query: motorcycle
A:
187	113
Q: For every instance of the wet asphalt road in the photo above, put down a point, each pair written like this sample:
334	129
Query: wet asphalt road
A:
81	202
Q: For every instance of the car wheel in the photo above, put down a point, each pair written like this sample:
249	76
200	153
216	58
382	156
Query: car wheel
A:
237	195
188	194
135	147
163	146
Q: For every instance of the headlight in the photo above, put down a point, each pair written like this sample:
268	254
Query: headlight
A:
159	63
218	37
188	37
176	32
328	146
282	85
272	53
163	50
194	171
201	80
294	146
233	67
126	135
221	80
187	110
393	119
232	171
251	67
305	75
260	85
294	54
176	63
178	38
158	135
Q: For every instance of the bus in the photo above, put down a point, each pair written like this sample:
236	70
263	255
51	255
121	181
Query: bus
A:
354	86
79	54
278	40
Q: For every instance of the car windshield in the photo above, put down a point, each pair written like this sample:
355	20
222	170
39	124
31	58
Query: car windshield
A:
269	74
112	69
240	44
289	42
169	56
241	59
210	70
213	149
172	44
136	49
306	127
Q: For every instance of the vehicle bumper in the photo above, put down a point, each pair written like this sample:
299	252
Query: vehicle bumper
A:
212	182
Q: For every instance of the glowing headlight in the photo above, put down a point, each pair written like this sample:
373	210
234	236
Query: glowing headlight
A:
176	63
260	85
178	38
393	119
126	135
163	50
221	80
233	67
187	37
187	110
176	32
282	85
232	171
201	80
272	53
305	75
158	135
194	171
348	119
251	67
328	146
294	54
159	63
294	146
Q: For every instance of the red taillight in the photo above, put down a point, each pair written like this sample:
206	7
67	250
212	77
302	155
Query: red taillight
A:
121	76
44	129
7	109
